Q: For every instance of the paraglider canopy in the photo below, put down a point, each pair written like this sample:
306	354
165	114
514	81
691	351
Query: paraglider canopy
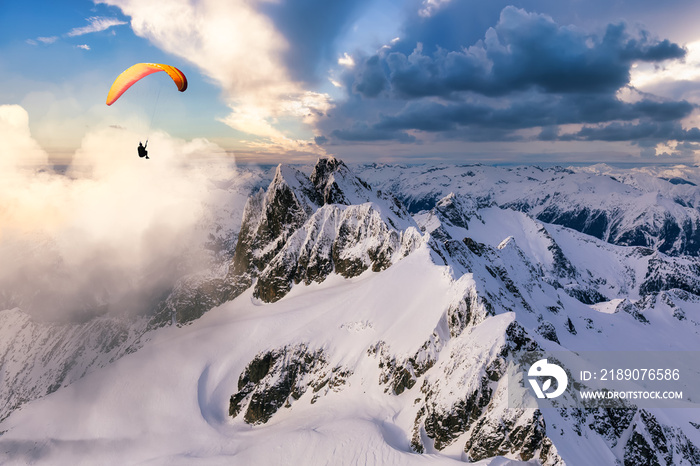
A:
140	70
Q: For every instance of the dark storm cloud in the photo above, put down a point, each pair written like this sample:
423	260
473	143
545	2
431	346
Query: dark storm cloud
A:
311	28
525	112
370	78
524	50
458	23
549	133
654	131
364	133
525	72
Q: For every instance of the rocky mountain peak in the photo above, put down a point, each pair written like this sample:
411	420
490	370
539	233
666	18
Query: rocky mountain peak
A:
455	210
337	184
324	169
304	228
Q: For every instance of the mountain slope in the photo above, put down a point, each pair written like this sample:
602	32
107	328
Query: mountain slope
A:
349	332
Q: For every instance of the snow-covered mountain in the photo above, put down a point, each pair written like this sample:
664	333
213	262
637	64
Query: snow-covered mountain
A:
652	207
342	329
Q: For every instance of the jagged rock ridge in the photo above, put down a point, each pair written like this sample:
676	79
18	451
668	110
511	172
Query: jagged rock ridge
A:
304	228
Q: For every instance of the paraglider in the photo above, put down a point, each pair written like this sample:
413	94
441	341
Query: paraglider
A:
137	72
142	150
140	70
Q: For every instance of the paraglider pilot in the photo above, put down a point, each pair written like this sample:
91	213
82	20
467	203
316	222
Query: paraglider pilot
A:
142	150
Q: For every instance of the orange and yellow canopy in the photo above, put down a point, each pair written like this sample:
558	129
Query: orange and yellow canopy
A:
132	74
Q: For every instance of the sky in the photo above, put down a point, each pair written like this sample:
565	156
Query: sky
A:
529	81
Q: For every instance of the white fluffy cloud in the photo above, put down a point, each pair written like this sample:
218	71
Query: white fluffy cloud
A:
239	48
111	228
17	148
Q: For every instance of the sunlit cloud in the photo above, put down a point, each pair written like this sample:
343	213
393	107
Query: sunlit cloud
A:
346	60
83	46
17	148
96	24
647	76
671	81
113	229
431	6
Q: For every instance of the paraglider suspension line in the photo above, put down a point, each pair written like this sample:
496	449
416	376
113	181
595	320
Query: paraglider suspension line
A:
155	107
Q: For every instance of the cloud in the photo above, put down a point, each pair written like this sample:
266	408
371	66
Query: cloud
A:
646	130
431	6
112	234
43	40
310	27
364	133
370	78
346	60
96	24
83	46
17	148
478	120
524	51
526	77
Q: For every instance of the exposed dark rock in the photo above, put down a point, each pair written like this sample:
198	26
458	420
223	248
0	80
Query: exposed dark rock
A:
585	295
455	211
445	426
610	423
588	221
634	309
653	443
271	218
548	331
518	340
665	273
190	299
561	266
677	180
401	374
324	175
279	377
471	310
476	248
517	434
638	452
